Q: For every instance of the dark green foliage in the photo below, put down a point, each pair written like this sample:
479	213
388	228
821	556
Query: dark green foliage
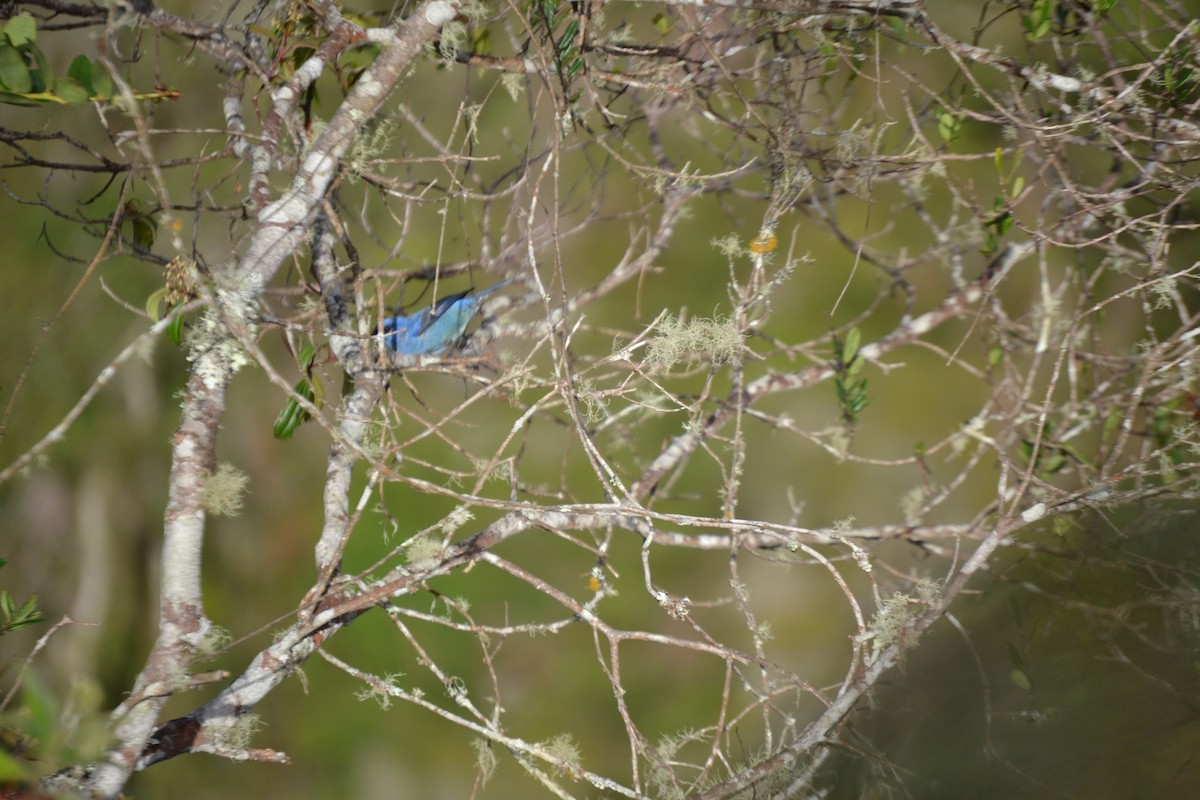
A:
17	616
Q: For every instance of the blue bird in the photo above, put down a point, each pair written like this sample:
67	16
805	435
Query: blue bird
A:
436	331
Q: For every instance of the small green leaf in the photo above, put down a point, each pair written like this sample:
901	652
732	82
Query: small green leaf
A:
1002	223
1021	679
292	415
145	228
102	87
989	243
1017	187
859	400
850	348
153	302
1111	423
80	71
13	99
175	330
1014	655
548	9
318	392
995	356
567	43
288	420
70	90
21	29
662	23
949	125
41	74
481	41
1037	22
12	771
1053	463
263	31
14	72
26	615
306	355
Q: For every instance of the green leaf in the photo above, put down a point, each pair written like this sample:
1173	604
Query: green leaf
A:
13	99
145	228
70	90
1014	655
850	348
1111	424
175	330
949	125
292	415
318	393
481	41
1052	463
1001	223
989	243
263	31
12	771
548	10
662	23
80	71
306	355
566	45
1037	22
26	615
102	87
574	68
153	302
41	74
1021	679
21	29
288	420
14	72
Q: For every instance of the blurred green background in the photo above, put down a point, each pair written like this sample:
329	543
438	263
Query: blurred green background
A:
1072	678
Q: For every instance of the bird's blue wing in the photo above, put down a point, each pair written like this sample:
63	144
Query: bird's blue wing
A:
438	329
443	305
